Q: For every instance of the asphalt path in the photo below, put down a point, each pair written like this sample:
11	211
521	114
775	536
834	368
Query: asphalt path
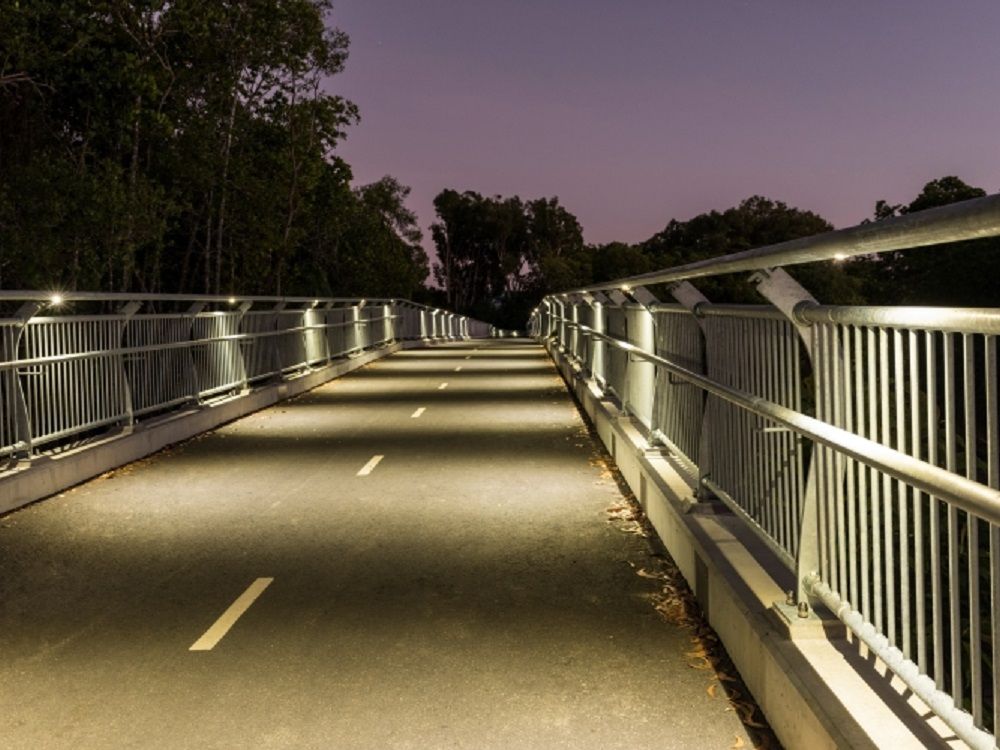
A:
417	555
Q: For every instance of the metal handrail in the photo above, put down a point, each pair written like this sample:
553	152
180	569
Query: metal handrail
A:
63	374
968	220
984	320
968	495
904	444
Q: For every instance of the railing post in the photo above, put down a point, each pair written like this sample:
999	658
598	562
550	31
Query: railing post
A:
597	346
688	295
574	332
276	339
327	349
640	378
192	315
786	294
22	419
242	312
127	311
360	341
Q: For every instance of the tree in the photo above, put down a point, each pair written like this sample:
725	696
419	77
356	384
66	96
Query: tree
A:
956	274
617	260
179	145
756	222
499	256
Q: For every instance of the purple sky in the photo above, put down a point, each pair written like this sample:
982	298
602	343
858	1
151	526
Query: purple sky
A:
639	111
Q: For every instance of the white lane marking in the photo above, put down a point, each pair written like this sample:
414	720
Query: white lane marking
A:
369	467
418	412
458	369
442	386
221	626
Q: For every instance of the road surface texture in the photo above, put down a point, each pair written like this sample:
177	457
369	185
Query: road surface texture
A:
276	584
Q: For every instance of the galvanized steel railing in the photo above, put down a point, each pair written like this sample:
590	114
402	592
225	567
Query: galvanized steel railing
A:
75	363
862	444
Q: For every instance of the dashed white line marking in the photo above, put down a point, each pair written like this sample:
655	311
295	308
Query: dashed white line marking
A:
221	626
442	386
369	467
418	412
458	369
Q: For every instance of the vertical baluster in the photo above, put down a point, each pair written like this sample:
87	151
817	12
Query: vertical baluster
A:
800	471
851	583
861	366
784	446
837	386
873	412
821	362
951	461
918	515
902	508
888	527
993	480
934	507
972	525
771	365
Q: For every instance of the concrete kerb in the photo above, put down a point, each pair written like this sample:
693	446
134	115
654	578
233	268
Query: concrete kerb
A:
806	680
44	476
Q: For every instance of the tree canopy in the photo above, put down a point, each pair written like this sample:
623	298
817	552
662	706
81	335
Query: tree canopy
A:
958	274
497	257
179	145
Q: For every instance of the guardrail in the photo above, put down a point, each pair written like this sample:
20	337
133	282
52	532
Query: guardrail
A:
861	444
75	363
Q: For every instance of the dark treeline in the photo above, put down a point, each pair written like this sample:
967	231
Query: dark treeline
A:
189	146
183	145
499	256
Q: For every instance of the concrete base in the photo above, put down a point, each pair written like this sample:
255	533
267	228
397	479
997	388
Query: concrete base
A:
817	687
48	474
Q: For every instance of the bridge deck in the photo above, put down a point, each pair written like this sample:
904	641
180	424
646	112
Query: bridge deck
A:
468	592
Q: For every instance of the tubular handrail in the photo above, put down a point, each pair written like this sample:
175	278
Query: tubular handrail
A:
968	495
63	374
887	502
17	364
48	297
984	320
968	220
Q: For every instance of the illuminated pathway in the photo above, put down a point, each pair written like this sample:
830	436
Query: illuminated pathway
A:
415	556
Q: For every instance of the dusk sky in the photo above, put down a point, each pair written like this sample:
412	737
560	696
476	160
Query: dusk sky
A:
640	111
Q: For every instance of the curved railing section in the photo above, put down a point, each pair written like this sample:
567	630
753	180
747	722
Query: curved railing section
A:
861	444
76	364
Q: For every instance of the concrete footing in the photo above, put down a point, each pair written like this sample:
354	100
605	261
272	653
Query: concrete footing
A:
818	687
48	474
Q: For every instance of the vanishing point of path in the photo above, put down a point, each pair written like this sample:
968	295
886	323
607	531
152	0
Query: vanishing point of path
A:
415	556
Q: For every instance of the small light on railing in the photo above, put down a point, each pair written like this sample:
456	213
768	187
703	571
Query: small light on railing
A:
55	300
839	257
232	300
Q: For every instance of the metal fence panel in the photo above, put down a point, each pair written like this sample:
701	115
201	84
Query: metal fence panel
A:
677	405
68	396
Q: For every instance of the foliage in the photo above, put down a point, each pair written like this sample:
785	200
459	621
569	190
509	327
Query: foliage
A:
178	145
955	274
756	222
499	256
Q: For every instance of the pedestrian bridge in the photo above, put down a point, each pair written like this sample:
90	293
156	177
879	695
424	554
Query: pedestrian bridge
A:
394	529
